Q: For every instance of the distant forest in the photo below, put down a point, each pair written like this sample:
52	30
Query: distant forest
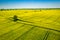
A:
32	9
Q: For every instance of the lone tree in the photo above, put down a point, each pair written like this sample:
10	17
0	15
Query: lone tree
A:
15	18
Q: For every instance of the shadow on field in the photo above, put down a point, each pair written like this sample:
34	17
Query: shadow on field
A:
31	24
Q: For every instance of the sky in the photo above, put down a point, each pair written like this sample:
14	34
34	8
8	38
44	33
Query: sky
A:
11	4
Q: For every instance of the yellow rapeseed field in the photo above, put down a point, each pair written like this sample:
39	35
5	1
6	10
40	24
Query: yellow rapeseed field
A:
32	24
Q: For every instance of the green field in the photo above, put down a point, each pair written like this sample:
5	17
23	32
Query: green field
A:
32	25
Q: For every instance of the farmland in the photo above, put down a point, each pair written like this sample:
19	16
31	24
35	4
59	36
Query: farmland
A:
32	24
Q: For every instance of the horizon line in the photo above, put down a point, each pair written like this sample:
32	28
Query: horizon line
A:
27	8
